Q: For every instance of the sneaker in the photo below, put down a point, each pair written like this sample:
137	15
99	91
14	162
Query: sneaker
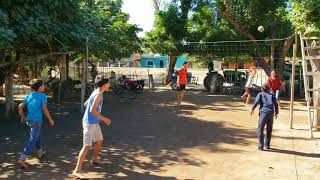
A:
41	153
267	147
260	148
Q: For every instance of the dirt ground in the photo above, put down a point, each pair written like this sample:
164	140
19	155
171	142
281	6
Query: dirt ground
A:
211	138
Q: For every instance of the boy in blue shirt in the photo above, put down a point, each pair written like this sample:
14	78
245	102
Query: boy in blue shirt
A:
36	103
91	128
268	110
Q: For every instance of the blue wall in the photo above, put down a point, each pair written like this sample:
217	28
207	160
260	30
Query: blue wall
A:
156	61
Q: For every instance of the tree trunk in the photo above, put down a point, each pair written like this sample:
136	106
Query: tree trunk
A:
67	66
33	71
315	64
9	98
172	64
63	67
1	90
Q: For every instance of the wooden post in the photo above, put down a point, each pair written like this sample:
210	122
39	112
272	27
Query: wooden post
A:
84	75
293	75
149	77
151	84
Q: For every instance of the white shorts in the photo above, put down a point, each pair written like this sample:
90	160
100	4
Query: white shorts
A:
91	133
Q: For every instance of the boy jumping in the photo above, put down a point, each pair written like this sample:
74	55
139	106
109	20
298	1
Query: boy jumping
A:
91	127
268	110
36	103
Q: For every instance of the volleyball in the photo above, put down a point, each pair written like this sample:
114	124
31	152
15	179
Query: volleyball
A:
260	28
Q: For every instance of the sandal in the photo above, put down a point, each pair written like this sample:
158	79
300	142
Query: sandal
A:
78	175
22	164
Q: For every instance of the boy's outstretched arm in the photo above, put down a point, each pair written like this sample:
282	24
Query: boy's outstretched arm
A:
98	114
21	113
85	103
46	112
276	106
255	104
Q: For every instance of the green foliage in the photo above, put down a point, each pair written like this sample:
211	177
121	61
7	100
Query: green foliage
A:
44	26
252	13
170	29
7	35
206	23
38	27
116	37
305	15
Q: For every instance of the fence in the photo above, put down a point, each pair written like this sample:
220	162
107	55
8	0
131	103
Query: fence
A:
75	73
158	73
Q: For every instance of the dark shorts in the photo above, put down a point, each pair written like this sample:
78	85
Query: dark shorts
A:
248	90
182	87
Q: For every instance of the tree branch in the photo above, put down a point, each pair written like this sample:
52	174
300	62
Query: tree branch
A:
286	47
227	16
34	58
156	5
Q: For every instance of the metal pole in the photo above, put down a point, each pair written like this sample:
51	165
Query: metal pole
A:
293	74
84	75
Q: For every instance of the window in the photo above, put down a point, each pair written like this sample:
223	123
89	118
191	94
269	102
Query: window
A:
161	64
150	63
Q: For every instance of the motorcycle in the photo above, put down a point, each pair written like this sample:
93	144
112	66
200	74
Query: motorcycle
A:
129	87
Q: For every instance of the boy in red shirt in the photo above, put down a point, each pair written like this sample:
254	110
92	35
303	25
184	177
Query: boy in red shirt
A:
276	85
181	83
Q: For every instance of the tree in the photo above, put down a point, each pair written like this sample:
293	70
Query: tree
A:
246	15
116	37
222	20
41	30
169	31
305	15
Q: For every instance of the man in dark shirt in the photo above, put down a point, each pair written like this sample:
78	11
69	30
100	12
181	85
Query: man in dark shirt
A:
268	110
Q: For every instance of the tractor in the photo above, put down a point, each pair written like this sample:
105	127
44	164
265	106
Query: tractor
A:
214	81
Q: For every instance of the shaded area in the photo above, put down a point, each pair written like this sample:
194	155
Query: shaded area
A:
147	134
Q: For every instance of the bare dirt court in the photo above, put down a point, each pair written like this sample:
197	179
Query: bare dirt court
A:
212	137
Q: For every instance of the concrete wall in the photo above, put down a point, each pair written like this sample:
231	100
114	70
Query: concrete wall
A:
165	59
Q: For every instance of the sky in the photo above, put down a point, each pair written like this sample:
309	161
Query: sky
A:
141	13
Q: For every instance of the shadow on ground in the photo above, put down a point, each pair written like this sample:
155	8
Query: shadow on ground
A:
147	134
296	153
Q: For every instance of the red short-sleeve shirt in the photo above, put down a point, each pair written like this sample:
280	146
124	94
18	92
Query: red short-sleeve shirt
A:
275	84
183	76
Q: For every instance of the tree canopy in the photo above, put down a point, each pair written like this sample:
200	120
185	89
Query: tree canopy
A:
221	20
30	28
305	15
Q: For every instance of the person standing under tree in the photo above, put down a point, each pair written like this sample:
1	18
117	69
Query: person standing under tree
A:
276	85
249	86
181	83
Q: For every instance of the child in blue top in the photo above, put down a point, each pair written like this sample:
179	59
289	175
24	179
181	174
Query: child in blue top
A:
91	128
36	104
268	110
